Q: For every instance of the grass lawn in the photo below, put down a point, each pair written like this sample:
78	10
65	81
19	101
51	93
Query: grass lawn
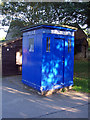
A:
81	78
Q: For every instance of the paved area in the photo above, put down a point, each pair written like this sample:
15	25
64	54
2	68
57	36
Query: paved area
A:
19	101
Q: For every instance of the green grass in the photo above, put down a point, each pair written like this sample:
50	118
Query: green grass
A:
81	78
80	84
89	49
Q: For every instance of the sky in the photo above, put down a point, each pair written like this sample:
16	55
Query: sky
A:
3	29
3	32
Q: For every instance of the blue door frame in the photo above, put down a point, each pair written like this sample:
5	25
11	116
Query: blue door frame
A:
60	49
54	78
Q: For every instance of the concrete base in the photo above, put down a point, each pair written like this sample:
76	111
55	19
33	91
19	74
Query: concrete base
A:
50	92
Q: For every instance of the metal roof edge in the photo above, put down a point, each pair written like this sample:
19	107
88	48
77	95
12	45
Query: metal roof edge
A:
36	26
9	41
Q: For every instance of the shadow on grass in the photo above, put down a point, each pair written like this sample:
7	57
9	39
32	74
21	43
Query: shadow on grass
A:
81	76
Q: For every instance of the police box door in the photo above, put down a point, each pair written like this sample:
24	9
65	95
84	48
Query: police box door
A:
58	58
52	61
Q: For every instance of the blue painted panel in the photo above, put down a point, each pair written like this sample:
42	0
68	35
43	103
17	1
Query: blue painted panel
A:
52	62
58	57
24	57
31	73
69	62
46	70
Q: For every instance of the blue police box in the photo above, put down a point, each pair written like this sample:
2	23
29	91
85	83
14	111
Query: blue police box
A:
48	56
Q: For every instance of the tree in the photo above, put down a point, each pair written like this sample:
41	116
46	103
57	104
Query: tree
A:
36	12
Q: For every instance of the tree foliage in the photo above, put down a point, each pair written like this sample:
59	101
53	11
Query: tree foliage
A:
53	12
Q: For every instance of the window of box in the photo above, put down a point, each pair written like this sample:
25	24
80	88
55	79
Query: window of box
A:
69	45
48	45
31	45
